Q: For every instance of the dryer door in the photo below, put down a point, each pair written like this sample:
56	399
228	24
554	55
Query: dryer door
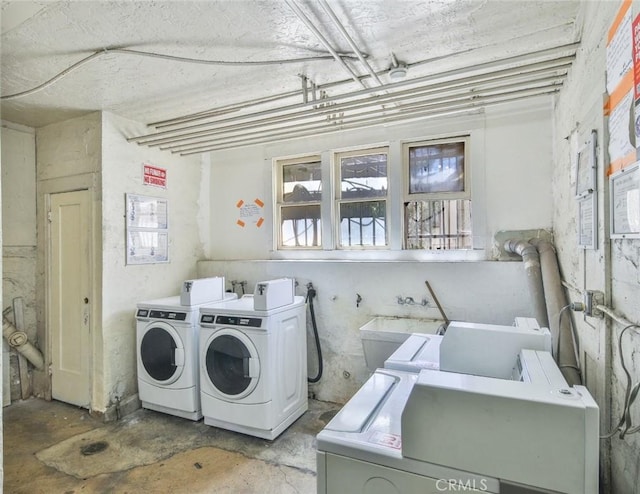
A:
232	363
161	353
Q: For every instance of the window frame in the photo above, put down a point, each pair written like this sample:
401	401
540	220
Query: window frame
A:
433	196
336	190
279	164
396	250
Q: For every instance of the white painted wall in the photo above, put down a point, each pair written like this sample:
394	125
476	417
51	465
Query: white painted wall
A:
19	233
92	152
19	218
491	292
613	267
123	286
511	174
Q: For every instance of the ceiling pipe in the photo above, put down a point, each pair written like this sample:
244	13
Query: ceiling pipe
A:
293	132
292	5
143	139
368	122
547	52
448	87
345	35
321	116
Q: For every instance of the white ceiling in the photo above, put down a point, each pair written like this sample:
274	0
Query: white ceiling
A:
43	39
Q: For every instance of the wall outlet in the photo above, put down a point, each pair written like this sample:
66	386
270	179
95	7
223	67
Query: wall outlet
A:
593	298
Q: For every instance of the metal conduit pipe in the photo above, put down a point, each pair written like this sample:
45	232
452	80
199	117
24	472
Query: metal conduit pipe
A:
564	346
431	113
360	120
557	64
292	5
351	43
320	117
283	96
418	112
531	261
457	89
20	341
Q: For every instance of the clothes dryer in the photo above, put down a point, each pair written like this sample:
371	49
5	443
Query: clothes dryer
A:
253	366
167	356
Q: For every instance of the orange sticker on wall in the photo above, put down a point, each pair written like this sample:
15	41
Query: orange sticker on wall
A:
250	213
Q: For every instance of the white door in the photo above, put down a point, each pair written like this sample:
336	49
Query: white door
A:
69	290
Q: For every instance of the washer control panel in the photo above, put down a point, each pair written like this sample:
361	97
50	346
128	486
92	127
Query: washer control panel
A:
162	314
242	321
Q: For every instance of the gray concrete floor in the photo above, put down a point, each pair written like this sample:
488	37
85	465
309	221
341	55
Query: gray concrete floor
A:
49	447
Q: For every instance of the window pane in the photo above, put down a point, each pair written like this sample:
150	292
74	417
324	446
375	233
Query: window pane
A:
436	168
438	224
363	176
301	182
300	226
363	223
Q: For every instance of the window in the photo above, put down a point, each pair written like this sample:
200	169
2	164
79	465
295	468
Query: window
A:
437	207
361	197
411	196
299	197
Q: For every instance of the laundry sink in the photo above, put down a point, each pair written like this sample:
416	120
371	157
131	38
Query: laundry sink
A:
383	335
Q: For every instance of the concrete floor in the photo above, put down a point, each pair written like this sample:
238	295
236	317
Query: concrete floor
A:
50	447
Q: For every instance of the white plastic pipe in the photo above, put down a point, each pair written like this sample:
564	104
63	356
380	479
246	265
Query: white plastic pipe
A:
20	341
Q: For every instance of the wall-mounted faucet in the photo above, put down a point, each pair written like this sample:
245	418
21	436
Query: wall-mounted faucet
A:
410	301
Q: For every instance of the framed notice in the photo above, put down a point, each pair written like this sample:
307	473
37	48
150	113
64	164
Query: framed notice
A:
624	193
586	167
147	220
587	222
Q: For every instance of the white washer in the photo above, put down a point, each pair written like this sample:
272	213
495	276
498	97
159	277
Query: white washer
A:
253	366
418	352
360	449
167	356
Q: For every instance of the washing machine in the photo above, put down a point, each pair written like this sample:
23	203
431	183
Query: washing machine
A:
253	366
167	356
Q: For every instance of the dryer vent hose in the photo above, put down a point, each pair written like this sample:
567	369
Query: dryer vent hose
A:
311	293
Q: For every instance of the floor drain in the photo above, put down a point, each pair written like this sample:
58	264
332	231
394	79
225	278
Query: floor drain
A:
93	448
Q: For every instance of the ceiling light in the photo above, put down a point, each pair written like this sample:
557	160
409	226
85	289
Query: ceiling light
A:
398	73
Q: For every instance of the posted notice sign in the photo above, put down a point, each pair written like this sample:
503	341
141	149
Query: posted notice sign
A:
154	175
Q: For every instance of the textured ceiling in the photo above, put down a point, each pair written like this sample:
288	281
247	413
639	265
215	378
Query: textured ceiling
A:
42	39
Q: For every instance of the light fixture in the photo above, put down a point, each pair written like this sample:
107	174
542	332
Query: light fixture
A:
398	73
398	70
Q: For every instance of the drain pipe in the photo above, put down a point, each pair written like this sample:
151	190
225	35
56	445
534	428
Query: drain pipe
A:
556	299
20	341
531	261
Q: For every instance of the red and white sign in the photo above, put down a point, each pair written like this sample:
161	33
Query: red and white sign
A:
153	175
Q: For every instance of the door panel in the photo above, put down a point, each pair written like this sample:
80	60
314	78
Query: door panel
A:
69	290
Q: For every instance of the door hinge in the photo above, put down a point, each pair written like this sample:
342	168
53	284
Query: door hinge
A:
50	370
49	216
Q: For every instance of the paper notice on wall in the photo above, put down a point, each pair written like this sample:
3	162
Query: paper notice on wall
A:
620	107
250	213
620	145
619	49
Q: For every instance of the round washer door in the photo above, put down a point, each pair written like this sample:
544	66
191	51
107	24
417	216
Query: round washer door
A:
231	363
162	353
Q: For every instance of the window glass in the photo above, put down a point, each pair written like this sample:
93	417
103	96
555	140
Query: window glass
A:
363	223
363	176
436	168
438	224
300	226
301	182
